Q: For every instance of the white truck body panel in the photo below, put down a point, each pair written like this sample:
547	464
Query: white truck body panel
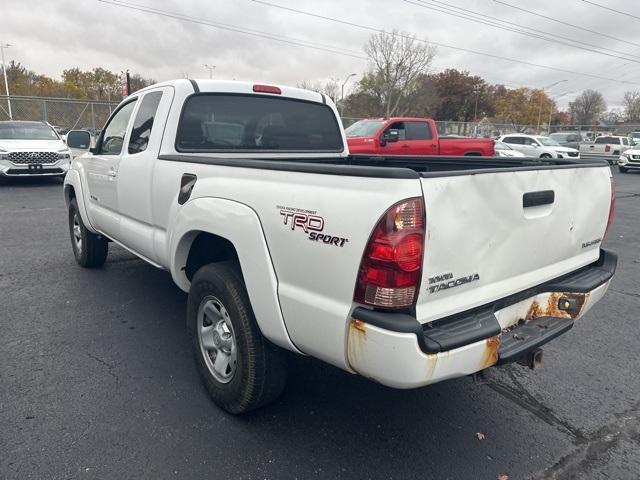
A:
302	291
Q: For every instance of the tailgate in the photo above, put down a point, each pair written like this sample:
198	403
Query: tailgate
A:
493	234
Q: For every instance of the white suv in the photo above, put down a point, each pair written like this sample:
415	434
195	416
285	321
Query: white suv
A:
32	148
539	146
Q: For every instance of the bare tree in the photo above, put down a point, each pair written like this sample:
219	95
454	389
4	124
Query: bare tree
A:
587	108
398	60
331	88
632	105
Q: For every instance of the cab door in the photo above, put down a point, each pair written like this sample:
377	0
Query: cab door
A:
136	172
102	171
419	139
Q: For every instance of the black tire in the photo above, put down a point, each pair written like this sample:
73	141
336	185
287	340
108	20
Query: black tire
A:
622	169
259	373
90	249
545	155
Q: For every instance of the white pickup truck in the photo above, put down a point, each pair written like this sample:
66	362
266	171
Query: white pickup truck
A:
406	270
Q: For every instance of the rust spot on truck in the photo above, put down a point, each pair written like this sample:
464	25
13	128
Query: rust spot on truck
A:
559	305
490	353
359	326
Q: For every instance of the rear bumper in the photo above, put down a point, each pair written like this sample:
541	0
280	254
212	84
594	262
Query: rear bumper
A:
396	350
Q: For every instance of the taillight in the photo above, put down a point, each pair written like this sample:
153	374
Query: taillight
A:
390	271
612	207
607	148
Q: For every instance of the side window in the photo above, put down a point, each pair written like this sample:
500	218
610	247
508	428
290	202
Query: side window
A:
513	140
114	132
418	131
530	141
144	122
401	130
625	141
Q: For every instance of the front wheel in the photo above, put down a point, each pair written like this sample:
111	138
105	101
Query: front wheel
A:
89	249
240	368
622	169
545	155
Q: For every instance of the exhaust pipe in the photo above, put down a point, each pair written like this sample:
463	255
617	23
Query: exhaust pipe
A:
533	360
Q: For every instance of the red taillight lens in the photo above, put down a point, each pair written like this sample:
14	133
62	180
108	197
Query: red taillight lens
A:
390	271
266	89
607	148
612	208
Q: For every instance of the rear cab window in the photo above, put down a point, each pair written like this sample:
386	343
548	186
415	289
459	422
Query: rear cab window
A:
243	123
418	131
143	122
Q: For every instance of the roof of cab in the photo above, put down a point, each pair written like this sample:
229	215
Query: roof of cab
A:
239	87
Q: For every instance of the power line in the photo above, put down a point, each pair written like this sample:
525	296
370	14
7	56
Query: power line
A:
236	29
595	32
492	21
440	44
626	14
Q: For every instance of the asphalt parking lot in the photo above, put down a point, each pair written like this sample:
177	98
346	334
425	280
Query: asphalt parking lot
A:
97	381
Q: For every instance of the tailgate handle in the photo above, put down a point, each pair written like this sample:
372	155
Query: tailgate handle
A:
534	199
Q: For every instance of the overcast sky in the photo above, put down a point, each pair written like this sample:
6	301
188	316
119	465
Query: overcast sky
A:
49	36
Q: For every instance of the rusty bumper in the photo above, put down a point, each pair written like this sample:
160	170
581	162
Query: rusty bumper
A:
396	350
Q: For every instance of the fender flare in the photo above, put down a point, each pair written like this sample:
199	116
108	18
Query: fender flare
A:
240	225
72	179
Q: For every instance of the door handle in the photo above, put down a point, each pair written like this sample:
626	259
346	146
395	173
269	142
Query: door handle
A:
534	199
112	174
405	146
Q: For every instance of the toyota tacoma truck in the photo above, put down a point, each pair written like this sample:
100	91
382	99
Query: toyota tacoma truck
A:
405	270
411	136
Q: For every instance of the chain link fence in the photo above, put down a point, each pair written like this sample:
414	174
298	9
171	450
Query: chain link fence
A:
61	112
487	128
92	114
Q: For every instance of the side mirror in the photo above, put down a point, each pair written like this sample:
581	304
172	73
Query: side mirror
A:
79	139
391	135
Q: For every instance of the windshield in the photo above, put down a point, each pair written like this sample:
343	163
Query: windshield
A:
364	128
16	131
502	146
559	136
547	142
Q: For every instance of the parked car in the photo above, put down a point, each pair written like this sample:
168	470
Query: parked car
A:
610	146
247	195
32	148
539	146
634	138
410	136
629	160
567	139
504	150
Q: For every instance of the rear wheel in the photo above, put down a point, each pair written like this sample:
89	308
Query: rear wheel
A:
240	368
622	169
89	249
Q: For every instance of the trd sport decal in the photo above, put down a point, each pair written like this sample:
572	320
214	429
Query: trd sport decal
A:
309	223
446	280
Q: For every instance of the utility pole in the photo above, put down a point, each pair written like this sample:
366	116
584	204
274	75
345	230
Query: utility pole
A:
342	91
542	98
128	84
6	83
211	68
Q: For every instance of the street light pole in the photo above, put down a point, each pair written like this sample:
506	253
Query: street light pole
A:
342	91
541	98
6	83
211	68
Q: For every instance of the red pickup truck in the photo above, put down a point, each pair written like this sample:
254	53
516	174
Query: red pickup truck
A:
411	136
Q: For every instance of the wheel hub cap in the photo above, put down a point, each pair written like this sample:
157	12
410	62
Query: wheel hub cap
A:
217	339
